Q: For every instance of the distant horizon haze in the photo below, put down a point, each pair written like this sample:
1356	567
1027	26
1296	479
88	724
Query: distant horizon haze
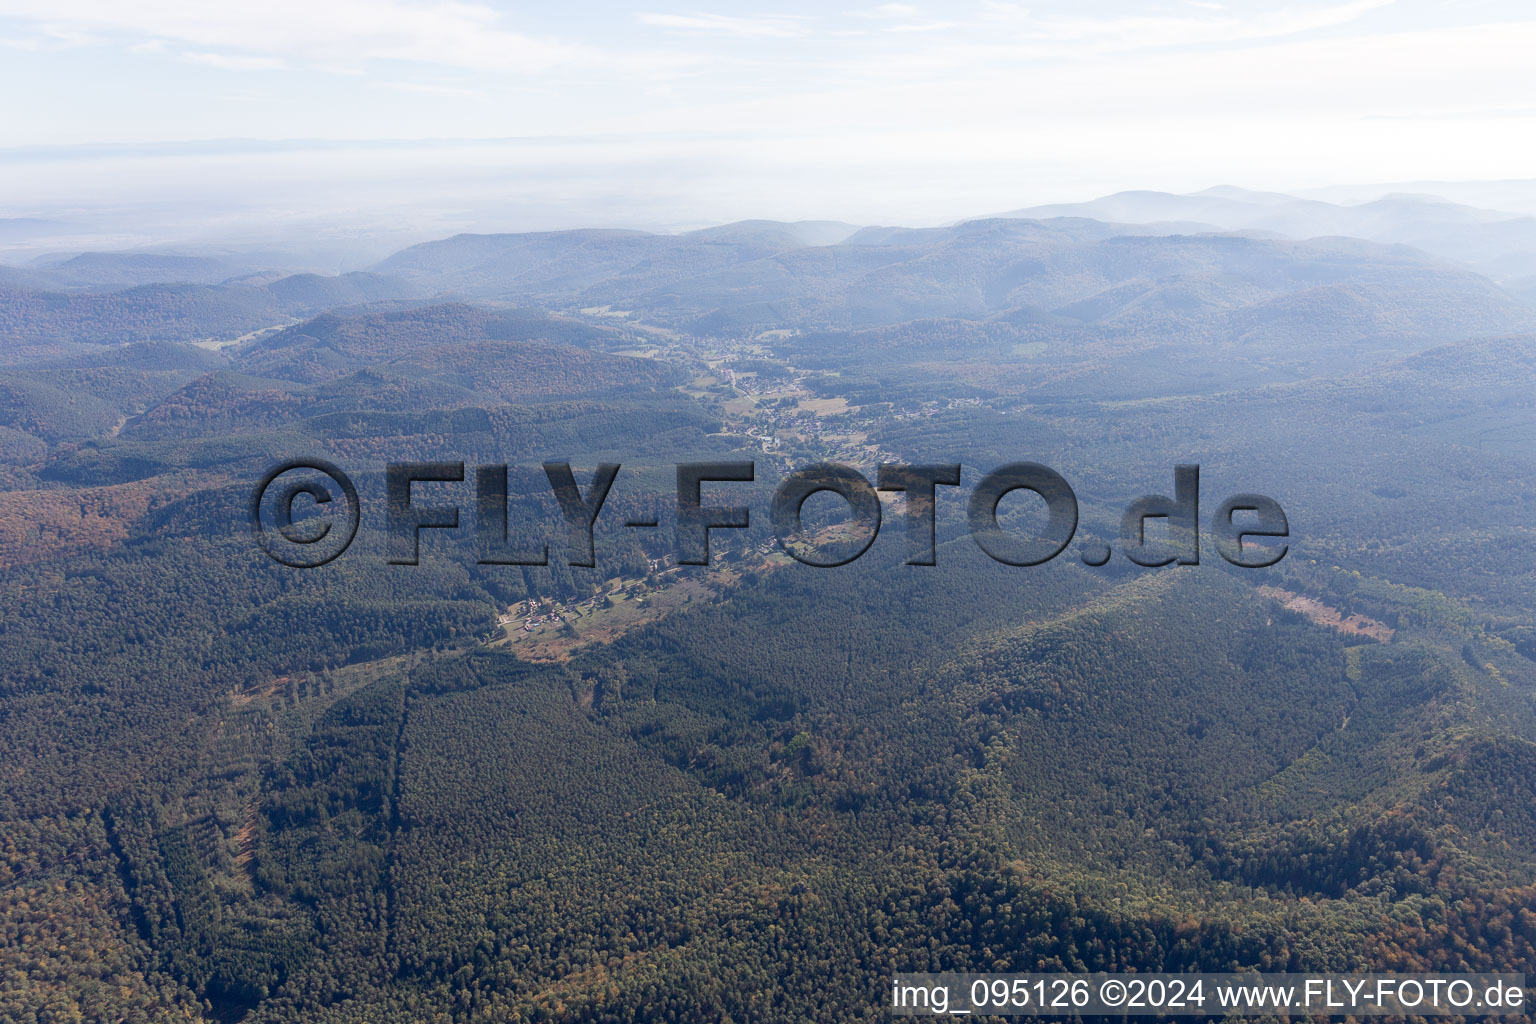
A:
185	203
362	125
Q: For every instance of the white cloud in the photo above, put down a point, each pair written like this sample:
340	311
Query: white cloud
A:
776	27
922	26
236	62
1143	32
907	18
433	89
333	34
820	111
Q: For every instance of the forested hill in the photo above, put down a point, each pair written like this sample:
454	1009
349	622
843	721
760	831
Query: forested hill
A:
448	338
1085	270
34	319
738	280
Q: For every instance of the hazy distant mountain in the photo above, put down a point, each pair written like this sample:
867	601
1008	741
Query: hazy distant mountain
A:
116	271
568	263
330	346
160	312
352	373
176	311
311	292
1277	308
772	232
1501	244
1516	196
21	277
126	269
16	229
1086	270
1522	287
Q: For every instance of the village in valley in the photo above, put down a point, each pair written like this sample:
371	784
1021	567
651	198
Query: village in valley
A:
790	416
548	629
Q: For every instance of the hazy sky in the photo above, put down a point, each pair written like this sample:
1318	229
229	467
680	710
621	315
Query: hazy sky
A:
649	114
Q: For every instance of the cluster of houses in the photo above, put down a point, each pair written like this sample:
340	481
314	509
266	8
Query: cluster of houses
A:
928	409
538	613
761	387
